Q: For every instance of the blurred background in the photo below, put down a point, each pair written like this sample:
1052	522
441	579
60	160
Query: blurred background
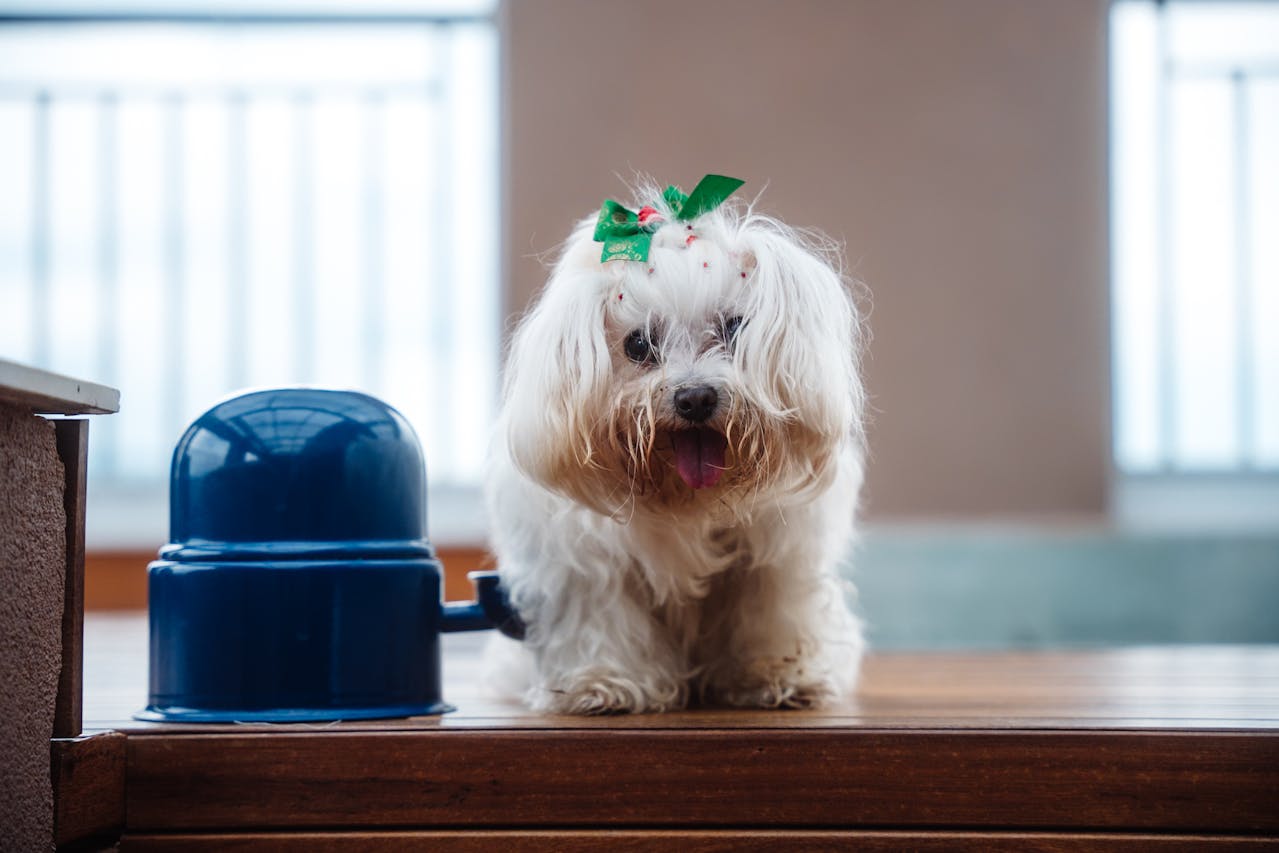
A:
1066	215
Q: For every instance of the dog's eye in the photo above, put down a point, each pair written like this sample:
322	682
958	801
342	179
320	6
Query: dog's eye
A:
729	330
639	348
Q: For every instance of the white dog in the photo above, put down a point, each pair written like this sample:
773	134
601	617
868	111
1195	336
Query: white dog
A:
677	463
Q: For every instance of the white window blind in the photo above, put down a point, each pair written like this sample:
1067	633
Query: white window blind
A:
1195	216
1195	262
193	205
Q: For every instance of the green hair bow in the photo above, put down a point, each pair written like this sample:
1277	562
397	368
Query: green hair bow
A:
628	235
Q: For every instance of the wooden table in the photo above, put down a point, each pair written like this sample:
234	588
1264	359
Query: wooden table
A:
1132	749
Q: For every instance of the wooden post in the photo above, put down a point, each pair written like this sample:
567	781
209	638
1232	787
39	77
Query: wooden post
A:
73	446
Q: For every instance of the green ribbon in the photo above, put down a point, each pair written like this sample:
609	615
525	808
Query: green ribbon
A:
710	192
626	238
623	236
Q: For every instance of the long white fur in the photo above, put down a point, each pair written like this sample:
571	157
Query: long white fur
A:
641	593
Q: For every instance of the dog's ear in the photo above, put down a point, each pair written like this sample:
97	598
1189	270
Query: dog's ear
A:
558	369
802	359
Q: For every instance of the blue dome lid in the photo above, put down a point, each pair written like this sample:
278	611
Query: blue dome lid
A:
298	473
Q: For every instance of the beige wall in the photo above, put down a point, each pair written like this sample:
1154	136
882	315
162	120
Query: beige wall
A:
956	146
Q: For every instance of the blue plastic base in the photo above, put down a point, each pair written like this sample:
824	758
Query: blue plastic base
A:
294	640
152	714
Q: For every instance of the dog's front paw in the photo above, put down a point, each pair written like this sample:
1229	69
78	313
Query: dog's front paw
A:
781	683
600	692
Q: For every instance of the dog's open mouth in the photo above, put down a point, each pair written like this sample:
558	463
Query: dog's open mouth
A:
699	456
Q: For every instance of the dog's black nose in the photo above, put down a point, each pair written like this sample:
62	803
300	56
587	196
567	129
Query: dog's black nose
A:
697	403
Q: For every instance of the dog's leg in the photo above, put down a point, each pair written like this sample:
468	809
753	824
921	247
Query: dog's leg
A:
602	654
789	639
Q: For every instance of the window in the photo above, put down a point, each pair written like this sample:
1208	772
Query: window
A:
196	204
1195	248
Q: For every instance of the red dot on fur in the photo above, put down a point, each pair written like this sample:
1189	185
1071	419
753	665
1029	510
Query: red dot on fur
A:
619	297
706	265
652	270
689	241
743	275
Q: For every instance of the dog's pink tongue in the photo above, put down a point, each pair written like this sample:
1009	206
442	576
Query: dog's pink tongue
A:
699	456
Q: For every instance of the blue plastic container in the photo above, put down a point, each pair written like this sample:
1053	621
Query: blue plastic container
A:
299	583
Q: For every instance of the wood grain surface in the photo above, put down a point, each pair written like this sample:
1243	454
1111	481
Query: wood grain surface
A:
1178	747
688	841
88	786
1141	688
727	777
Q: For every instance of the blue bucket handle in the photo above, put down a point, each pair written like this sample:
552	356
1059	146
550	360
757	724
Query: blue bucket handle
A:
490	609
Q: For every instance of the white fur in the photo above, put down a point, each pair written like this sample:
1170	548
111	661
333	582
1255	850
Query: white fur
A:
640	592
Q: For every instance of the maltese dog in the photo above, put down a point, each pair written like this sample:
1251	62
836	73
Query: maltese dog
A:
675	474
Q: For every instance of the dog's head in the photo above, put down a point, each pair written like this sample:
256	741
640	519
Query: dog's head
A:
721	370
